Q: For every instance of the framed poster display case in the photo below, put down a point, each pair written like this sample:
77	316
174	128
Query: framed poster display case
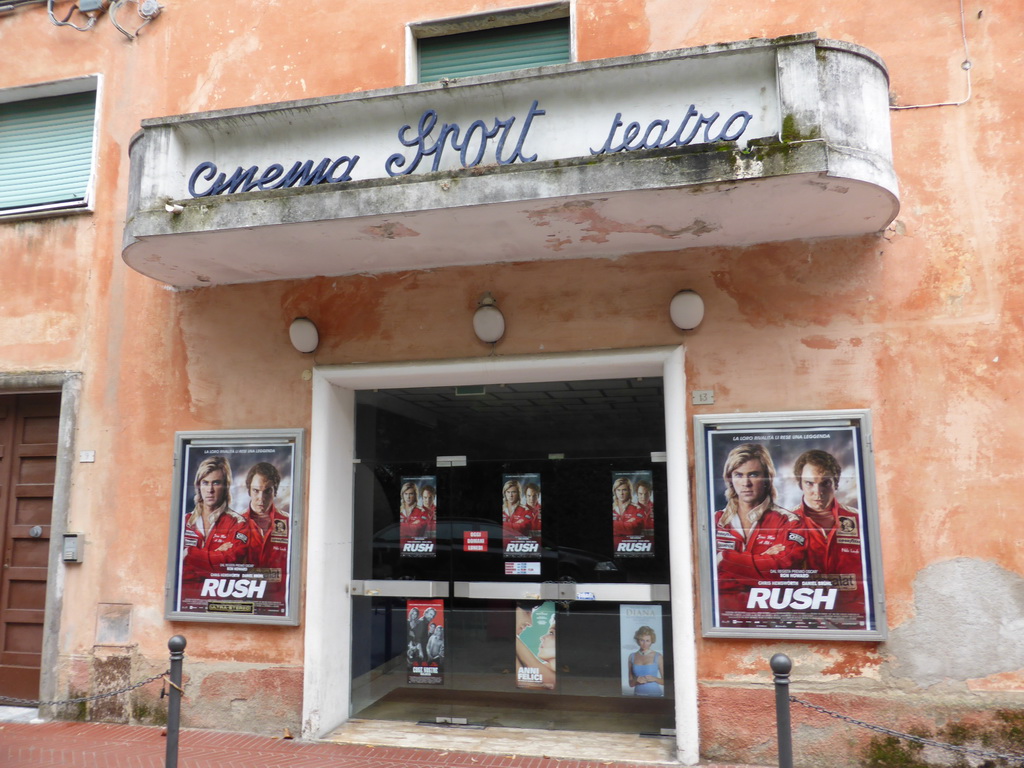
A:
788	526
236	523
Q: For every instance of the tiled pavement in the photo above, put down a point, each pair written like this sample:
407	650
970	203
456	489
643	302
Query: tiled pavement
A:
30	743
100	745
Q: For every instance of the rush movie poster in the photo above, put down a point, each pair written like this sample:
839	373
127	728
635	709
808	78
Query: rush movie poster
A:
633	514
235	529
417	516
521	515
787	529
642	650
425	655
535	645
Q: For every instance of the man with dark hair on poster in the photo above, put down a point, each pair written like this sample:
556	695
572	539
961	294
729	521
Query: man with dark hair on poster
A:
268	530
428	496
419	633
833	533
531	495
645	500
435	645
412	623
215	535
755	538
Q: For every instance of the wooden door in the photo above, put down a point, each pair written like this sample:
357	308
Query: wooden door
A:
28	462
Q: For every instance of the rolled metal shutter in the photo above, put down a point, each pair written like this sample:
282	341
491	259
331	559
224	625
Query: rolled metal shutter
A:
46	150
494	50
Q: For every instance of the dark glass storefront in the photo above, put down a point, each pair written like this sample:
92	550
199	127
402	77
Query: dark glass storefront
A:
509	543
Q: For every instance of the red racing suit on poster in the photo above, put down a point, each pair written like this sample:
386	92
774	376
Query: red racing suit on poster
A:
633	528
522	525
837	557
417	528
414	523
648	510
630	521
431	512
207	554
742	562
268	552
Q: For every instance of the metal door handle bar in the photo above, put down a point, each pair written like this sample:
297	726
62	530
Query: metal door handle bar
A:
634	593
499	590
399	588
623	593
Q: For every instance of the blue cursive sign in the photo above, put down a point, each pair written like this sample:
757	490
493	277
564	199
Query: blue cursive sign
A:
657	136
471	145
501	140
273	176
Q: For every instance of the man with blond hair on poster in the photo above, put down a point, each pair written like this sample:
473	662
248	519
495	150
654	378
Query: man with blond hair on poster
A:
215	535
755	538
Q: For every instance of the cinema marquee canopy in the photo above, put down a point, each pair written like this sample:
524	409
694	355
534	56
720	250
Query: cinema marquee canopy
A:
724	145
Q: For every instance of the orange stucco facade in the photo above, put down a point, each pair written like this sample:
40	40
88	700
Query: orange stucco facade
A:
920	323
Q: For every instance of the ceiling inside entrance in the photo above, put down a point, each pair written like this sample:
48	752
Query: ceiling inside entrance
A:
611	417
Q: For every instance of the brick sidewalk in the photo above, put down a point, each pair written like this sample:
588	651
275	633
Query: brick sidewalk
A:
100	745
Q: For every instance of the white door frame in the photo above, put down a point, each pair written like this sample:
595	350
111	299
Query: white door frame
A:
328	637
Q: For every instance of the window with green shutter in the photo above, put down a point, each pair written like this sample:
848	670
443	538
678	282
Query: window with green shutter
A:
501	49
46	153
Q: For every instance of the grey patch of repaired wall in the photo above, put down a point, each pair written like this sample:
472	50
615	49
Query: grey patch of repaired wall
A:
969	624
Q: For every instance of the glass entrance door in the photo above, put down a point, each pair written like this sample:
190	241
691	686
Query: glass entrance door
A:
512	557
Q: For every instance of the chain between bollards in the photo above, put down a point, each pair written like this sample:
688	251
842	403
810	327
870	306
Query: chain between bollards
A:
177	647
782	666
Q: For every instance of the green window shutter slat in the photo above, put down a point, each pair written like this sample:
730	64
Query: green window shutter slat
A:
494	50
46	150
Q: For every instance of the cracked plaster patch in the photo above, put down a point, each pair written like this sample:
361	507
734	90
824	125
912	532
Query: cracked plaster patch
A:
599	227
969	624
390	231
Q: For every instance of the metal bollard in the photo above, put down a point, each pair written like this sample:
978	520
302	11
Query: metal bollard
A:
177	647
781	666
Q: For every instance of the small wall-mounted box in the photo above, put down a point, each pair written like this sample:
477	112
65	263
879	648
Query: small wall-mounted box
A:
73	547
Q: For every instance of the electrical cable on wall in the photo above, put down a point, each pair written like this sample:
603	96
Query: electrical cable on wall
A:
147	9
965	66
7	6
65	21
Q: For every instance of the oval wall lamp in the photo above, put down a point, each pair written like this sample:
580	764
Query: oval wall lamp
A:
488	322
304	335
686	310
